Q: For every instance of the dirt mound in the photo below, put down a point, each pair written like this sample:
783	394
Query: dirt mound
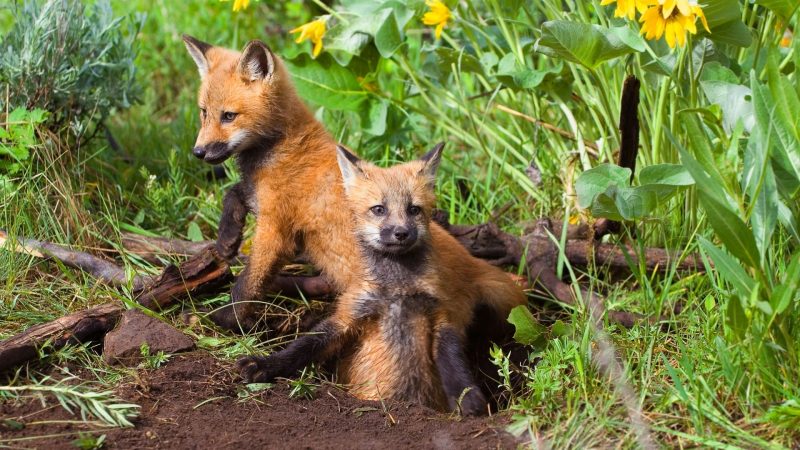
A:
195	402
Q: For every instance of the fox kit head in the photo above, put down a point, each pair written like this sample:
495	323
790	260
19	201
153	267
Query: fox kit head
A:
236	97
392	207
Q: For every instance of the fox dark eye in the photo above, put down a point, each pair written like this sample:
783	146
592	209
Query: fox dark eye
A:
203	112
378	210
228	116
414	210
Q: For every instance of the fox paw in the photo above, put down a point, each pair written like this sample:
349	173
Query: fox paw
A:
474	403
228	319
257	369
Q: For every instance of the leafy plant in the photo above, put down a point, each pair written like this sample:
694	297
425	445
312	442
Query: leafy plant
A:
102	405
77	65
605	190
17	138
151	361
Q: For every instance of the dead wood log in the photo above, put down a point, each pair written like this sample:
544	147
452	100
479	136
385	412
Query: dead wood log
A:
77	327
104	270
203	273
150	248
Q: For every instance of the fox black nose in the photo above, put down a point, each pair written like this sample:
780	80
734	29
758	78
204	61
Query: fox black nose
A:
199	152
401	233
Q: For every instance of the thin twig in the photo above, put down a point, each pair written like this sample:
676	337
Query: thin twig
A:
595	150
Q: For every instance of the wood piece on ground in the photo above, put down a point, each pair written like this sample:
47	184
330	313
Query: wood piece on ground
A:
202	273
77	327
104	270
150	248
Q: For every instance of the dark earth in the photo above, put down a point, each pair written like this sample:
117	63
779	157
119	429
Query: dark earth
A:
193	402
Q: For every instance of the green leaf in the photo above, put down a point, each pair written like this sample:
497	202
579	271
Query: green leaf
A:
784	8
732	231
786	293
735	317
734	100
667	174
326	83
447	58
728	268
597	180
373	117
725	21
528	330
388	37
194	233
586	44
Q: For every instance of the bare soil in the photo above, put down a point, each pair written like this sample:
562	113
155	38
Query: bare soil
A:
195	401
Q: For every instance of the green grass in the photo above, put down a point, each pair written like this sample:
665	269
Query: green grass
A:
697	382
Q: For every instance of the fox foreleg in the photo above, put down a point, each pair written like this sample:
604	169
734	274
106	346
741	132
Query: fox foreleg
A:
324	340
231	224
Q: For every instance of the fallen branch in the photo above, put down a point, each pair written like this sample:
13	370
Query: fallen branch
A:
150	248
104	270
75	328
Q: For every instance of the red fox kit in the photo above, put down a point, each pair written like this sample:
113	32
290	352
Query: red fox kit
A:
400	333
291	181
289	178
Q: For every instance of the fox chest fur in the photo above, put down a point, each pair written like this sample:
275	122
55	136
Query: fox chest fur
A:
393	356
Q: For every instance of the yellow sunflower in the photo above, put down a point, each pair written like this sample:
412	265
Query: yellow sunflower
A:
628	8
438	15
313	31
672	19
239	5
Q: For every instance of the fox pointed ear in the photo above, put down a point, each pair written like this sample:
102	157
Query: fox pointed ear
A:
431	160
257	62
197	49
348	165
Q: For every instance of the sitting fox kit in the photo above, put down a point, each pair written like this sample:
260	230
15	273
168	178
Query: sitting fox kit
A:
400	332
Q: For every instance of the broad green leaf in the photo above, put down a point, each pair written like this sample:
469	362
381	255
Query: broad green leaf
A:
725	21
728	268
764	218
586	44
597	180
701	148
605	205
528	330
373	117
732	231
517	76
730	228
324	82
388	36
668	174
734	100
779	133
447	58
194	233
784	8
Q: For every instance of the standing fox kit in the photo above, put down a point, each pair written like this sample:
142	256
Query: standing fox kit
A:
291	181
400	332
289	177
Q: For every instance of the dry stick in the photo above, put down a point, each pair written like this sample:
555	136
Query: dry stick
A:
149	248
563	133
104	270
